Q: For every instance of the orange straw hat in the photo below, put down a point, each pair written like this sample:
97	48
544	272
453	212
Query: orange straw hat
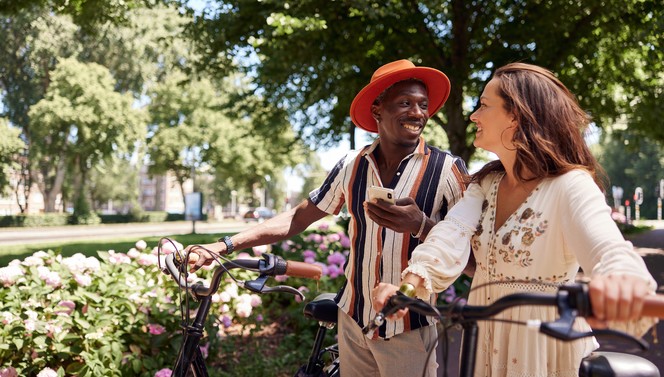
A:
438	87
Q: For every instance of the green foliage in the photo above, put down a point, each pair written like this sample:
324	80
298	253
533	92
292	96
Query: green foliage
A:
11	146
310	57
41	220
631	161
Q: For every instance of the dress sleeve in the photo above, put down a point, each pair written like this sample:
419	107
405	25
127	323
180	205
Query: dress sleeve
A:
596	240
440	260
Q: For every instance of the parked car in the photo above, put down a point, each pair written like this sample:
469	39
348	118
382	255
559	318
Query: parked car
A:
259	214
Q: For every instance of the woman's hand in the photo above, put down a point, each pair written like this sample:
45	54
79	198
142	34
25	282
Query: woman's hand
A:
616	297
381	294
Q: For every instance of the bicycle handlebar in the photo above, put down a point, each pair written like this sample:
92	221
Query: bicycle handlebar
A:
572	300
270	265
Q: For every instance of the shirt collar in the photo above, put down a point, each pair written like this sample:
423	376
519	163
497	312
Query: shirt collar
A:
422	147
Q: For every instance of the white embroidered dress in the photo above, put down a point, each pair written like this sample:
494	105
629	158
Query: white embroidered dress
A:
563	224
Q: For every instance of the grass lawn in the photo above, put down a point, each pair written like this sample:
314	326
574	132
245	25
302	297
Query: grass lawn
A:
90	248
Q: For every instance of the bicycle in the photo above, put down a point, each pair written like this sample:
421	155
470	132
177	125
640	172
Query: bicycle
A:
571	301
190	361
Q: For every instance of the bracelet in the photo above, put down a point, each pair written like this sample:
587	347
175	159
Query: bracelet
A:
424	222
229	244
407	289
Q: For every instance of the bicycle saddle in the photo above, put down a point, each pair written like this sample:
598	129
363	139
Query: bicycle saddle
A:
322	308
617	364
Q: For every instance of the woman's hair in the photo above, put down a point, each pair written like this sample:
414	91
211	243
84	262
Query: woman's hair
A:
549	138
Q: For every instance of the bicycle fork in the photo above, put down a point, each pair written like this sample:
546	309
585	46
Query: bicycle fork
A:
190	356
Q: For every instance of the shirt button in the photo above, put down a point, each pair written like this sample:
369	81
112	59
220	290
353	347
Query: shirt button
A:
398	173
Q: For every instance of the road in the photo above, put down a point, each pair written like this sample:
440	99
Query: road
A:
16	236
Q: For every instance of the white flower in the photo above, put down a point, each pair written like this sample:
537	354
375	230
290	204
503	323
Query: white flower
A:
47	372
40	254
9	274
141	245
147	260
7	318
49	277
33	261
79	263
133	253
118	258
83	280
94	335
30	325
225	296
243	309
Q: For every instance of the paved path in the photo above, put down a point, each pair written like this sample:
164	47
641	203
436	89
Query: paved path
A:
16	236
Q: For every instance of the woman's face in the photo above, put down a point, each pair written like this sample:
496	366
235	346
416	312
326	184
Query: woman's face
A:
495	126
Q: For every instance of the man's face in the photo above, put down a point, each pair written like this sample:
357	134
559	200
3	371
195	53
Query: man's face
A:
403	112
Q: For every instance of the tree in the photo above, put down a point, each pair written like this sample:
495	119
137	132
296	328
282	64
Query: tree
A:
11	145
632	161
87	13
311	56
80	122
190	129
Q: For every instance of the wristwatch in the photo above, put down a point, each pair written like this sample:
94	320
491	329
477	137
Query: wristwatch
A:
229	244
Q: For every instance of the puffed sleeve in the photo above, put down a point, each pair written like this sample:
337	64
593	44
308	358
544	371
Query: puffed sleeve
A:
440	260
596	240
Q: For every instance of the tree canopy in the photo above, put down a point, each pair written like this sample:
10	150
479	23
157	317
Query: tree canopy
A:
311	56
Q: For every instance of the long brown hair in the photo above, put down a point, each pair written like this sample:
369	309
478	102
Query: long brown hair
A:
549	137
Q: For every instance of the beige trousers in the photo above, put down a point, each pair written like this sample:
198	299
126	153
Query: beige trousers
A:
404	355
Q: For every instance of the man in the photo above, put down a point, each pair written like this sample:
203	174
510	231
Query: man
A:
396	104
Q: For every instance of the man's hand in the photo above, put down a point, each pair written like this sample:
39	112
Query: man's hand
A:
403	217
199	255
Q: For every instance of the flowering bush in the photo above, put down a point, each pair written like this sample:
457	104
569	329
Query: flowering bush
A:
117	315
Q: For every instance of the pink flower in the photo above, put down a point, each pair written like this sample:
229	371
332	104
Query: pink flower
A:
8	372
336	258
309	254
65	307
324	226
156	329
259	250
205	349
166	372
344	241
302	289
334	271
281	278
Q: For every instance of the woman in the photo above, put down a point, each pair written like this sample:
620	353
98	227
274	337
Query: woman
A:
536	215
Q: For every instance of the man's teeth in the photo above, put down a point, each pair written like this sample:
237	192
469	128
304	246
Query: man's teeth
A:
411	127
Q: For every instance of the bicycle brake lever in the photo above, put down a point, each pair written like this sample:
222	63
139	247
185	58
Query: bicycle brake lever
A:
610	333
284	288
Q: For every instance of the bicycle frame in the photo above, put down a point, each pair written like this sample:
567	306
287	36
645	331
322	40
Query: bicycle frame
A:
190	357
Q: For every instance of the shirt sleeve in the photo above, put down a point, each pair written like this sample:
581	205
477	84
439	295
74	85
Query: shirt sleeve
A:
440	260
597	242
456	182
329	197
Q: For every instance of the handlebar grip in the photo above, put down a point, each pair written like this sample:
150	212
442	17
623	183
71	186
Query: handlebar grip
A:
653	306
303	270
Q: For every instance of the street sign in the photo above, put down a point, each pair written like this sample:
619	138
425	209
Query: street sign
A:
638	196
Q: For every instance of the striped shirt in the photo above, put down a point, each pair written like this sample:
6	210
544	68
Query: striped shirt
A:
433	178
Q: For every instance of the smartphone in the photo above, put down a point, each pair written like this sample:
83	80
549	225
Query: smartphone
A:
382	193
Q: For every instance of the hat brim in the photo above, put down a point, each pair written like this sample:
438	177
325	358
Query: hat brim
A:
438	88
